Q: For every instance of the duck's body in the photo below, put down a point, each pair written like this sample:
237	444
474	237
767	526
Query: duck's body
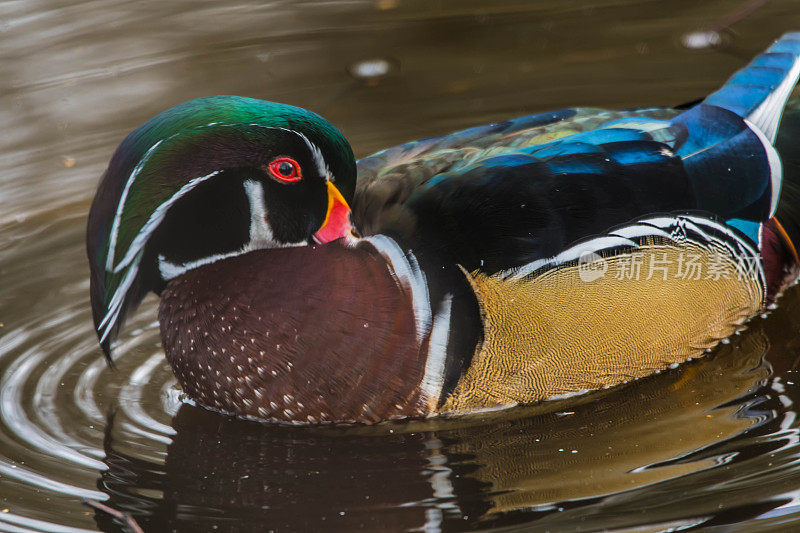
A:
508	263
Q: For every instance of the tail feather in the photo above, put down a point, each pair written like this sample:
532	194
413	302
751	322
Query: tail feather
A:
788	212
759	91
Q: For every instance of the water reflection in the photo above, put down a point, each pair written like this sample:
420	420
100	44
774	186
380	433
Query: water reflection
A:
565	464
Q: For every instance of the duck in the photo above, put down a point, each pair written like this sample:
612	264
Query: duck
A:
510	263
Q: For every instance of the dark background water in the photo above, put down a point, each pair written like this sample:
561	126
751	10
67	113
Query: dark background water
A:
711	445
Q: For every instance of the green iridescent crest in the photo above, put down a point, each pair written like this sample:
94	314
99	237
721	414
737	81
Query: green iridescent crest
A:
165	159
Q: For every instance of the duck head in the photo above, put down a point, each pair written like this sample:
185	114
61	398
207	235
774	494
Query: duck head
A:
210	179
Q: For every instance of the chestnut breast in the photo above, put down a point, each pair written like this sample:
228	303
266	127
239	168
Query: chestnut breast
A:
304	334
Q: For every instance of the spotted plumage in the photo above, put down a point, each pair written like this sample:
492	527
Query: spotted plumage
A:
545	255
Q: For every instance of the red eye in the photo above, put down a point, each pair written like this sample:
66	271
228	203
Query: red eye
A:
285	169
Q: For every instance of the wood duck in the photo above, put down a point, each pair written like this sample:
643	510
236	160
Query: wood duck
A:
532	258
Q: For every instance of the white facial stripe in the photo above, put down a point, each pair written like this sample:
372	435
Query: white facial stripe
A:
132	261
433	380
115	306
316	154
261	236
406	270
169	270
118	215
156	218
319	160
260	232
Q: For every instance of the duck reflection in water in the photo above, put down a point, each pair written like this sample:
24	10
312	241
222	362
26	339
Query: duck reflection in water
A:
555	463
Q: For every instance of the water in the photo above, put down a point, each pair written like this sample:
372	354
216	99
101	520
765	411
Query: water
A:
713	444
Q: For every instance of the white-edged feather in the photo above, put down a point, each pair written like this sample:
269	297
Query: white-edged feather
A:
433	379
767	116
631	236
406	270
775	166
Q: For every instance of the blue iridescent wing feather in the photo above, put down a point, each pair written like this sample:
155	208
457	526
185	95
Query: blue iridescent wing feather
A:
499	196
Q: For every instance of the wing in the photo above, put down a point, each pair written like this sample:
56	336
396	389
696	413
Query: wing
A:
507	194
518	201
387	179
504	195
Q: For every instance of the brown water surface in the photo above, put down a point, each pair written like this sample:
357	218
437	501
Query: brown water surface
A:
712	445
